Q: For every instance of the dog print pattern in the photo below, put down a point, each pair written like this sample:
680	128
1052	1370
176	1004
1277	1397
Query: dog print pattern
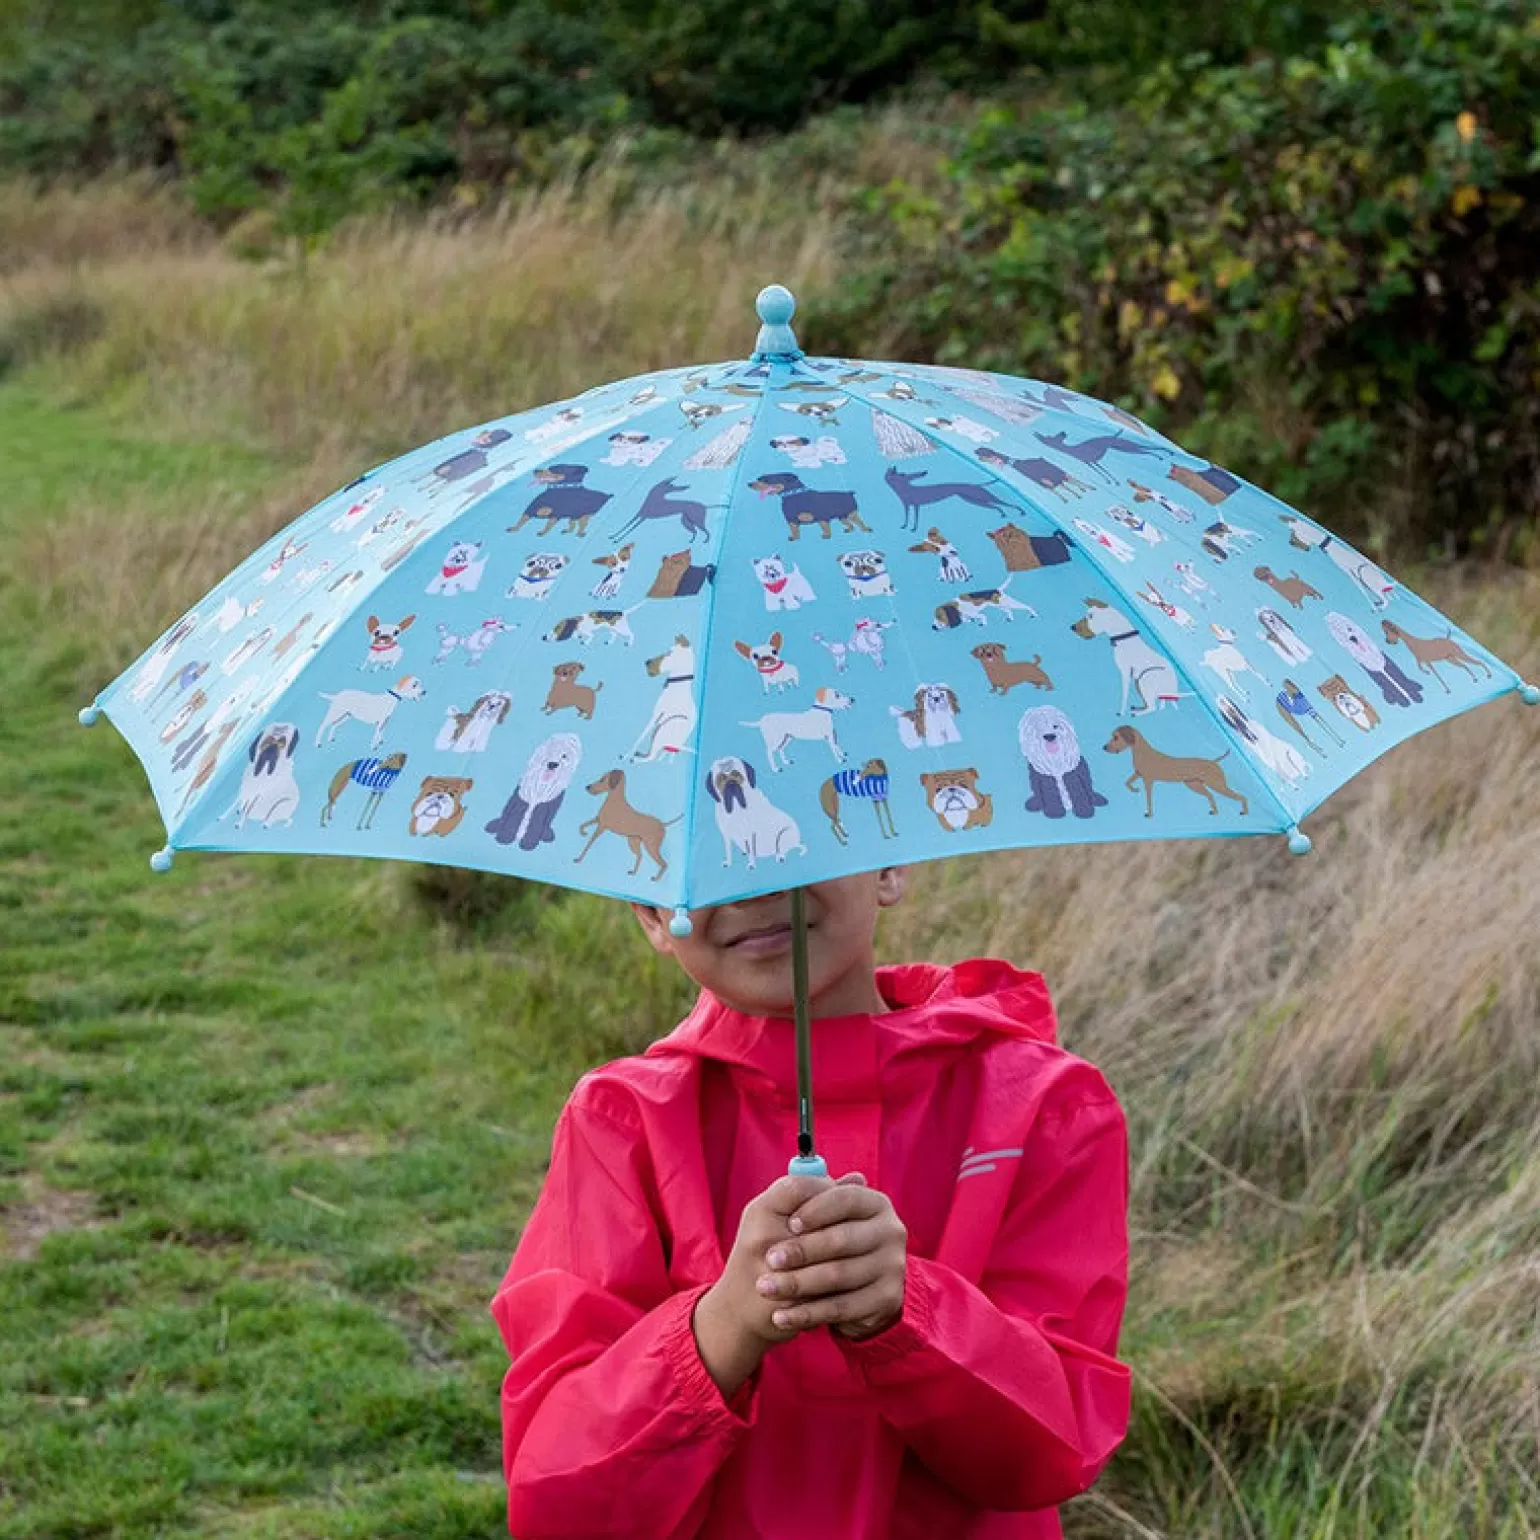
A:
711	610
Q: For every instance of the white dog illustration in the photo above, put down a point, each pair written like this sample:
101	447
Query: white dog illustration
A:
867	574
159	661
269	793
816	724
633	448
1283	759
933	719
461	570
469	732
964	427
474	643
1120	549
1229	662
672	721
747	819
538	575
808	454
374	710
1306	537
1140	667
785	588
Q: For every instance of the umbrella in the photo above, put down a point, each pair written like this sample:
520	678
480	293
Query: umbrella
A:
731	628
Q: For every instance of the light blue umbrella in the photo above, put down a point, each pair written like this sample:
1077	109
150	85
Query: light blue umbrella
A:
730	629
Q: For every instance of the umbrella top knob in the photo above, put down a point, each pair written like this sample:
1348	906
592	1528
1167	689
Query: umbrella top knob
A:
776	305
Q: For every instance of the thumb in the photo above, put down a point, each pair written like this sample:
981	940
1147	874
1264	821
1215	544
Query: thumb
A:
851	1179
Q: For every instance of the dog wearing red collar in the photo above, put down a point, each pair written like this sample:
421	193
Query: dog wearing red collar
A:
775	673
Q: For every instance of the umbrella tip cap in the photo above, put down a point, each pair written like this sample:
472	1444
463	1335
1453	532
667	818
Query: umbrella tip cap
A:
680	925
1299	842
775	305
161	860
776	339
88	715
1529	694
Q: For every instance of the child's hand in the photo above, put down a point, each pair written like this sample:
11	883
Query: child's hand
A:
733	1321
845	1260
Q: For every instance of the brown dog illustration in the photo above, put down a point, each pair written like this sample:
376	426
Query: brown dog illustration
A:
1293	588
1200	775
1005	675
678	579
1022	552
1430	651
1349	702
439	805
954	797
641	831
566	692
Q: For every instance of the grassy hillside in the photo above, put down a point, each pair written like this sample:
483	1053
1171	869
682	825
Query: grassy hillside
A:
269	1127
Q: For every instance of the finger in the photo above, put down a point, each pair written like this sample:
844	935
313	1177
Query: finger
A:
790	1193
849	1238
851	1179
835	1203
838	1277
876	1299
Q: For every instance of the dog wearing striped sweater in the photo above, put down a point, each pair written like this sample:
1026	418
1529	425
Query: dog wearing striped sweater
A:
868	784
376	776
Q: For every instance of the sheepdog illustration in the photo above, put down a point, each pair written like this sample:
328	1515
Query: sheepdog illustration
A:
1058	772
528	817
1394	684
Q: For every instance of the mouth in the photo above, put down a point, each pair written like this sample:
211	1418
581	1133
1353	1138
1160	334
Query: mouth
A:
762	941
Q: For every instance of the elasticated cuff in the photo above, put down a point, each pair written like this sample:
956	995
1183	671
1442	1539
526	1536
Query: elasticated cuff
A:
697	1389
908	1334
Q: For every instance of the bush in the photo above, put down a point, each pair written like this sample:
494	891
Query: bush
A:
1319	270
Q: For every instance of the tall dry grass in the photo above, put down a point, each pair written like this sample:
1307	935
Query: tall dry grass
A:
1329	1064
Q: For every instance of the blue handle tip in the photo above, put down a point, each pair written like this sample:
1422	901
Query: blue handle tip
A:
807	1165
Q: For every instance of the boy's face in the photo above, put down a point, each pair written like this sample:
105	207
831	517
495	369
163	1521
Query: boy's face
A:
741	951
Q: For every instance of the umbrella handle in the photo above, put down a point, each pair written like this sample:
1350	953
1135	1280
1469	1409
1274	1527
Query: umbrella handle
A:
807	1165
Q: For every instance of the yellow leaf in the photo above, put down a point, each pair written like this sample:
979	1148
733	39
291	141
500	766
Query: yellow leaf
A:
1465	199
1465	126
1165	384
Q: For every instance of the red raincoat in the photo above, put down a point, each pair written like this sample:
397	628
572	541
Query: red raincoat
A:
995	1397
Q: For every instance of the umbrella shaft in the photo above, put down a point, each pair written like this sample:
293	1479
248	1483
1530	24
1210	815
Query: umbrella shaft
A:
804	1023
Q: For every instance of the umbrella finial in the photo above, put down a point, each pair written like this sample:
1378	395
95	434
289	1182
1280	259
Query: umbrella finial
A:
680	924
1529	694
776	306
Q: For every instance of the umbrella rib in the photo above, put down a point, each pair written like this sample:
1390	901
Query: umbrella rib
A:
703	633
1026	499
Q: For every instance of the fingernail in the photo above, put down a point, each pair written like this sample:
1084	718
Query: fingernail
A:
782	1318
795	1226
766	1285
777	1258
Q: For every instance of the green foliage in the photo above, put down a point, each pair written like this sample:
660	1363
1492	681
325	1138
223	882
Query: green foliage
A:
1315	268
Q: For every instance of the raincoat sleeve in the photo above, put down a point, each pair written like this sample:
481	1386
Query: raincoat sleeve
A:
1008	1391
611	1424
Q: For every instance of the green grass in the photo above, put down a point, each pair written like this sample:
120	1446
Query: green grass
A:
268	1129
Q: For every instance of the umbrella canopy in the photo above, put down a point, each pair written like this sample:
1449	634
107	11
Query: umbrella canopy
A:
730	628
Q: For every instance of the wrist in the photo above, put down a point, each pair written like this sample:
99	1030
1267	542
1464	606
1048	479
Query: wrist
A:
729	1350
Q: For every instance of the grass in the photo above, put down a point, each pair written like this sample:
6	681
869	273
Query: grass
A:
269	1127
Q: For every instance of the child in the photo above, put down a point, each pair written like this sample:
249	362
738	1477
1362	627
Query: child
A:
702	1346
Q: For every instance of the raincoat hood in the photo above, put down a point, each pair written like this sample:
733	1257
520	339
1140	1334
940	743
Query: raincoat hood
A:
933	1009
